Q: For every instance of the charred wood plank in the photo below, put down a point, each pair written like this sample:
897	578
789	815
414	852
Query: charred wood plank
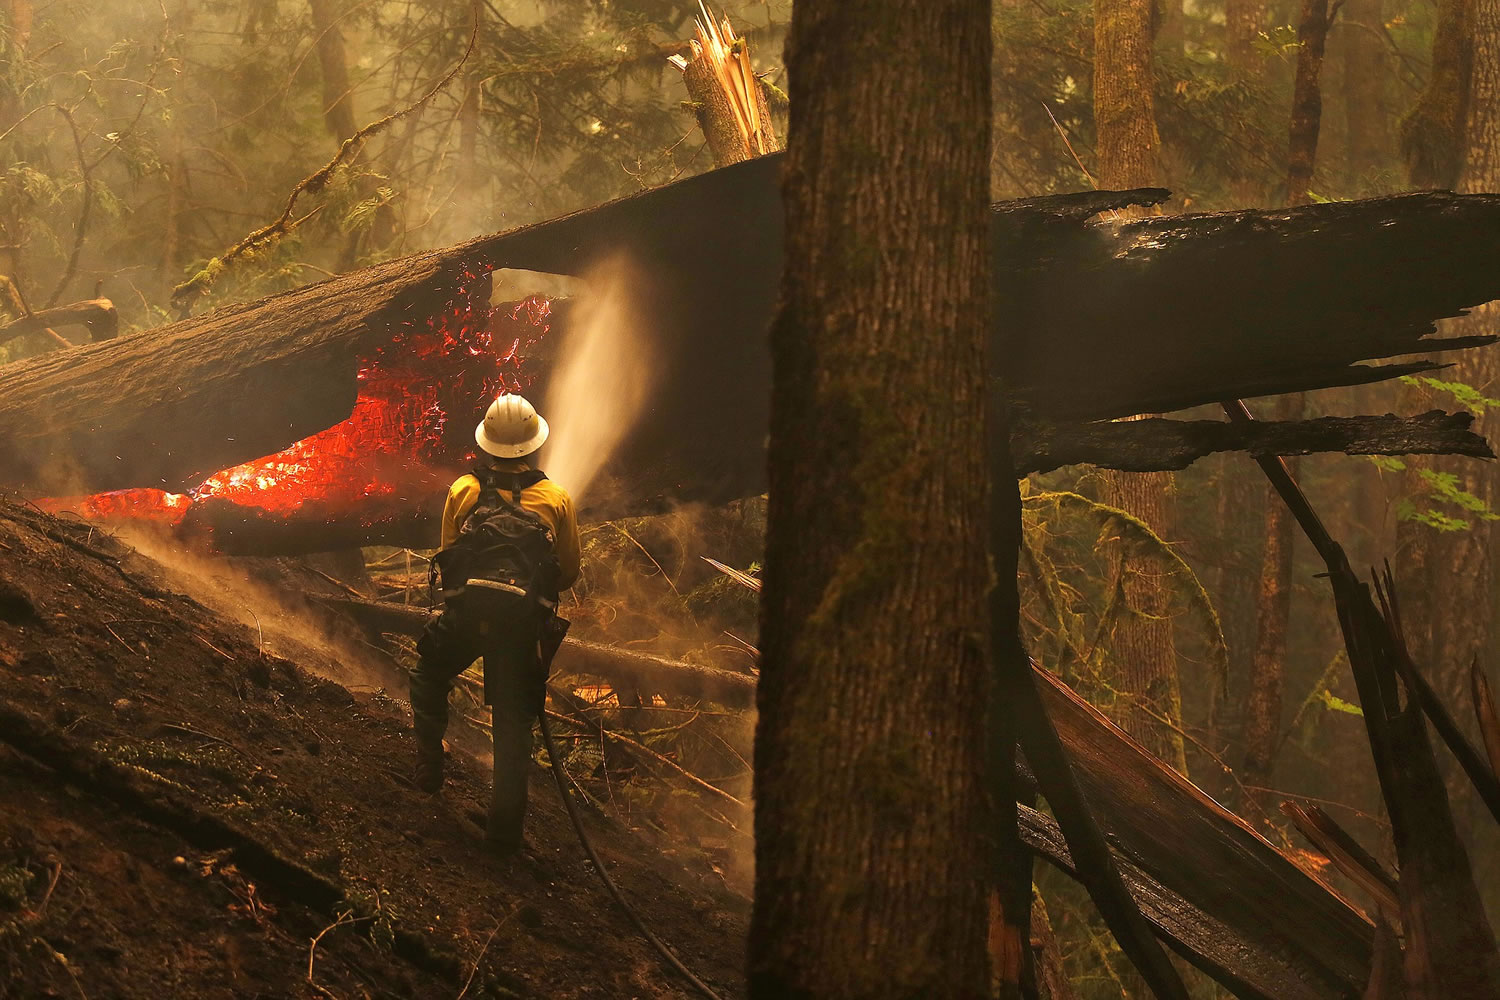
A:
1241	963
1158	444
1101	320
1199	850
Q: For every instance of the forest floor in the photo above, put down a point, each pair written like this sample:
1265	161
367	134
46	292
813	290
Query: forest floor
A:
184	811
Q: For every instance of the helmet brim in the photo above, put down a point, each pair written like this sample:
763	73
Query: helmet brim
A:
512	449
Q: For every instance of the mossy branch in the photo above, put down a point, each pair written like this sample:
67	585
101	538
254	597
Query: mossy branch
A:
186	293
1142	540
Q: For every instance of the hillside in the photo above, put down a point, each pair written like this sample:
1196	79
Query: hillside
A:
186	810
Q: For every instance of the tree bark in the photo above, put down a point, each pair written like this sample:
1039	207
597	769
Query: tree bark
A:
872	803
1124	103
1366	73
1448	579
1128	149
1273	608
1432	133
1307	101
1244	20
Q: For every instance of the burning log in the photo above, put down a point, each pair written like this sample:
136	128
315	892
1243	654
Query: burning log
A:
1101	320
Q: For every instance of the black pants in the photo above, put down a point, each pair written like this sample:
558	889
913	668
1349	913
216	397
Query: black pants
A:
472	628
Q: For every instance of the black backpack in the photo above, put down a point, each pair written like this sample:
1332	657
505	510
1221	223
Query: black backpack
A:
502	547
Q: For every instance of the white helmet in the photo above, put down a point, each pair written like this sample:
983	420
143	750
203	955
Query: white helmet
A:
511	428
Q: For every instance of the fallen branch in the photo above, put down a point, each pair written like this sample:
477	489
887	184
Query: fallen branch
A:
631	746
1158	444
184	294
98	315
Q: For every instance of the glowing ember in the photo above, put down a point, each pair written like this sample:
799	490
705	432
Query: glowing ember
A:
398	437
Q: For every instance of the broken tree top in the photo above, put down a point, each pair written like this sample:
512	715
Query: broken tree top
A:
1095	319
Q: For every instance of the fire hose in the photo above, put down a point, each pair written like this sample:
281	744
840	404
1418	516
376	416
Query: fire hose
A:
553	632
563	780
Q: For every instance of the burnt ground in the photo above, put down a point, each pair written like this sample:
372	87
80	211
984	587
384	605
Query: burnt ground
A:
182	811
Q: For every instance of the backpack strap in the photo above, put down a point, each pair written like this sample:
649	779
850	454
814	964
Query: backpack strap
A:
491	478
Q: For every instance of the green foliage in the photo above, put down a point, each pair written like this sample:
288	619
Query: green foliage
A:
1443	488
1468	396
1334	703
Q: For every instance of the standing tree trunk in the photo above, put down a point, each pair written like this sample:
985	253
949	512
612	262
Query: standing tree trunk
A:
1365	78
1432	133
1274	602
1273	608
338	103
873	810
1244	20
1307	101
1128	147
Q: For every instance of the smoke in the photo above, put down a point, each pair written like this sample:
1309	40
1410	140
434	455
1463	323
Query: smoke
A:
604	373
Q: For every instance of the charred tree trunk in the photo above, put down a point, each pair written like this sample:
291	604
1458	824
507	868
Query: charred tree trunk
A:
871	795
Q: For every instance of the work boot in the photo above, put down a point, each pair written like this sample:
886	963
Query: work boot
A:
428	774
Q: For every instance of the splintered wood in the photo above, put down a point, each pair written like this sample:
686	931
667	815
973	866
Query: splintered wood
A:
728	98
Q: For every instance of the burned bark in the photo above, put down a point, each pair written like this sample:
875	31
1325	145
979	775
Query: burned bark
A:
1155	444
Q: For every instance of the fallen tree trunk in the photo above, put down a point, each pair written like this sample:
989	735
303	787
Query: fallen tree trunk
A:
1037	446
1101	320
1218	891
1157	444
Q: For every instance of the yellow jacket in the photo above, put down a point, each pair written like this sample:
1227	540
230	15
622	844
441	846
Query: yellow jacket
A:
545	499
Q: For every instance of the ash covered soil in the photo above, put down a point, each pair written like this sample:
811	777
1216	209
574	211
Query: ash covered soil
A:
182	812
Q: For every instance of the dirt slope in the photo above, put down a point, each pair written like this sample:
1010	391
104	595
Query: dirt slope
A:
182	812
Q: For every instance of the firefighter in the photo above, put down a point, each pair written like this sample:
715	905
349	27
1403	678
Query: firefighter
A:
509	546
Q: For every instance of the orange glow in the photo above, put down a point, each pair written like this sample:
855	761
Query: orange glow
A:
398	436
